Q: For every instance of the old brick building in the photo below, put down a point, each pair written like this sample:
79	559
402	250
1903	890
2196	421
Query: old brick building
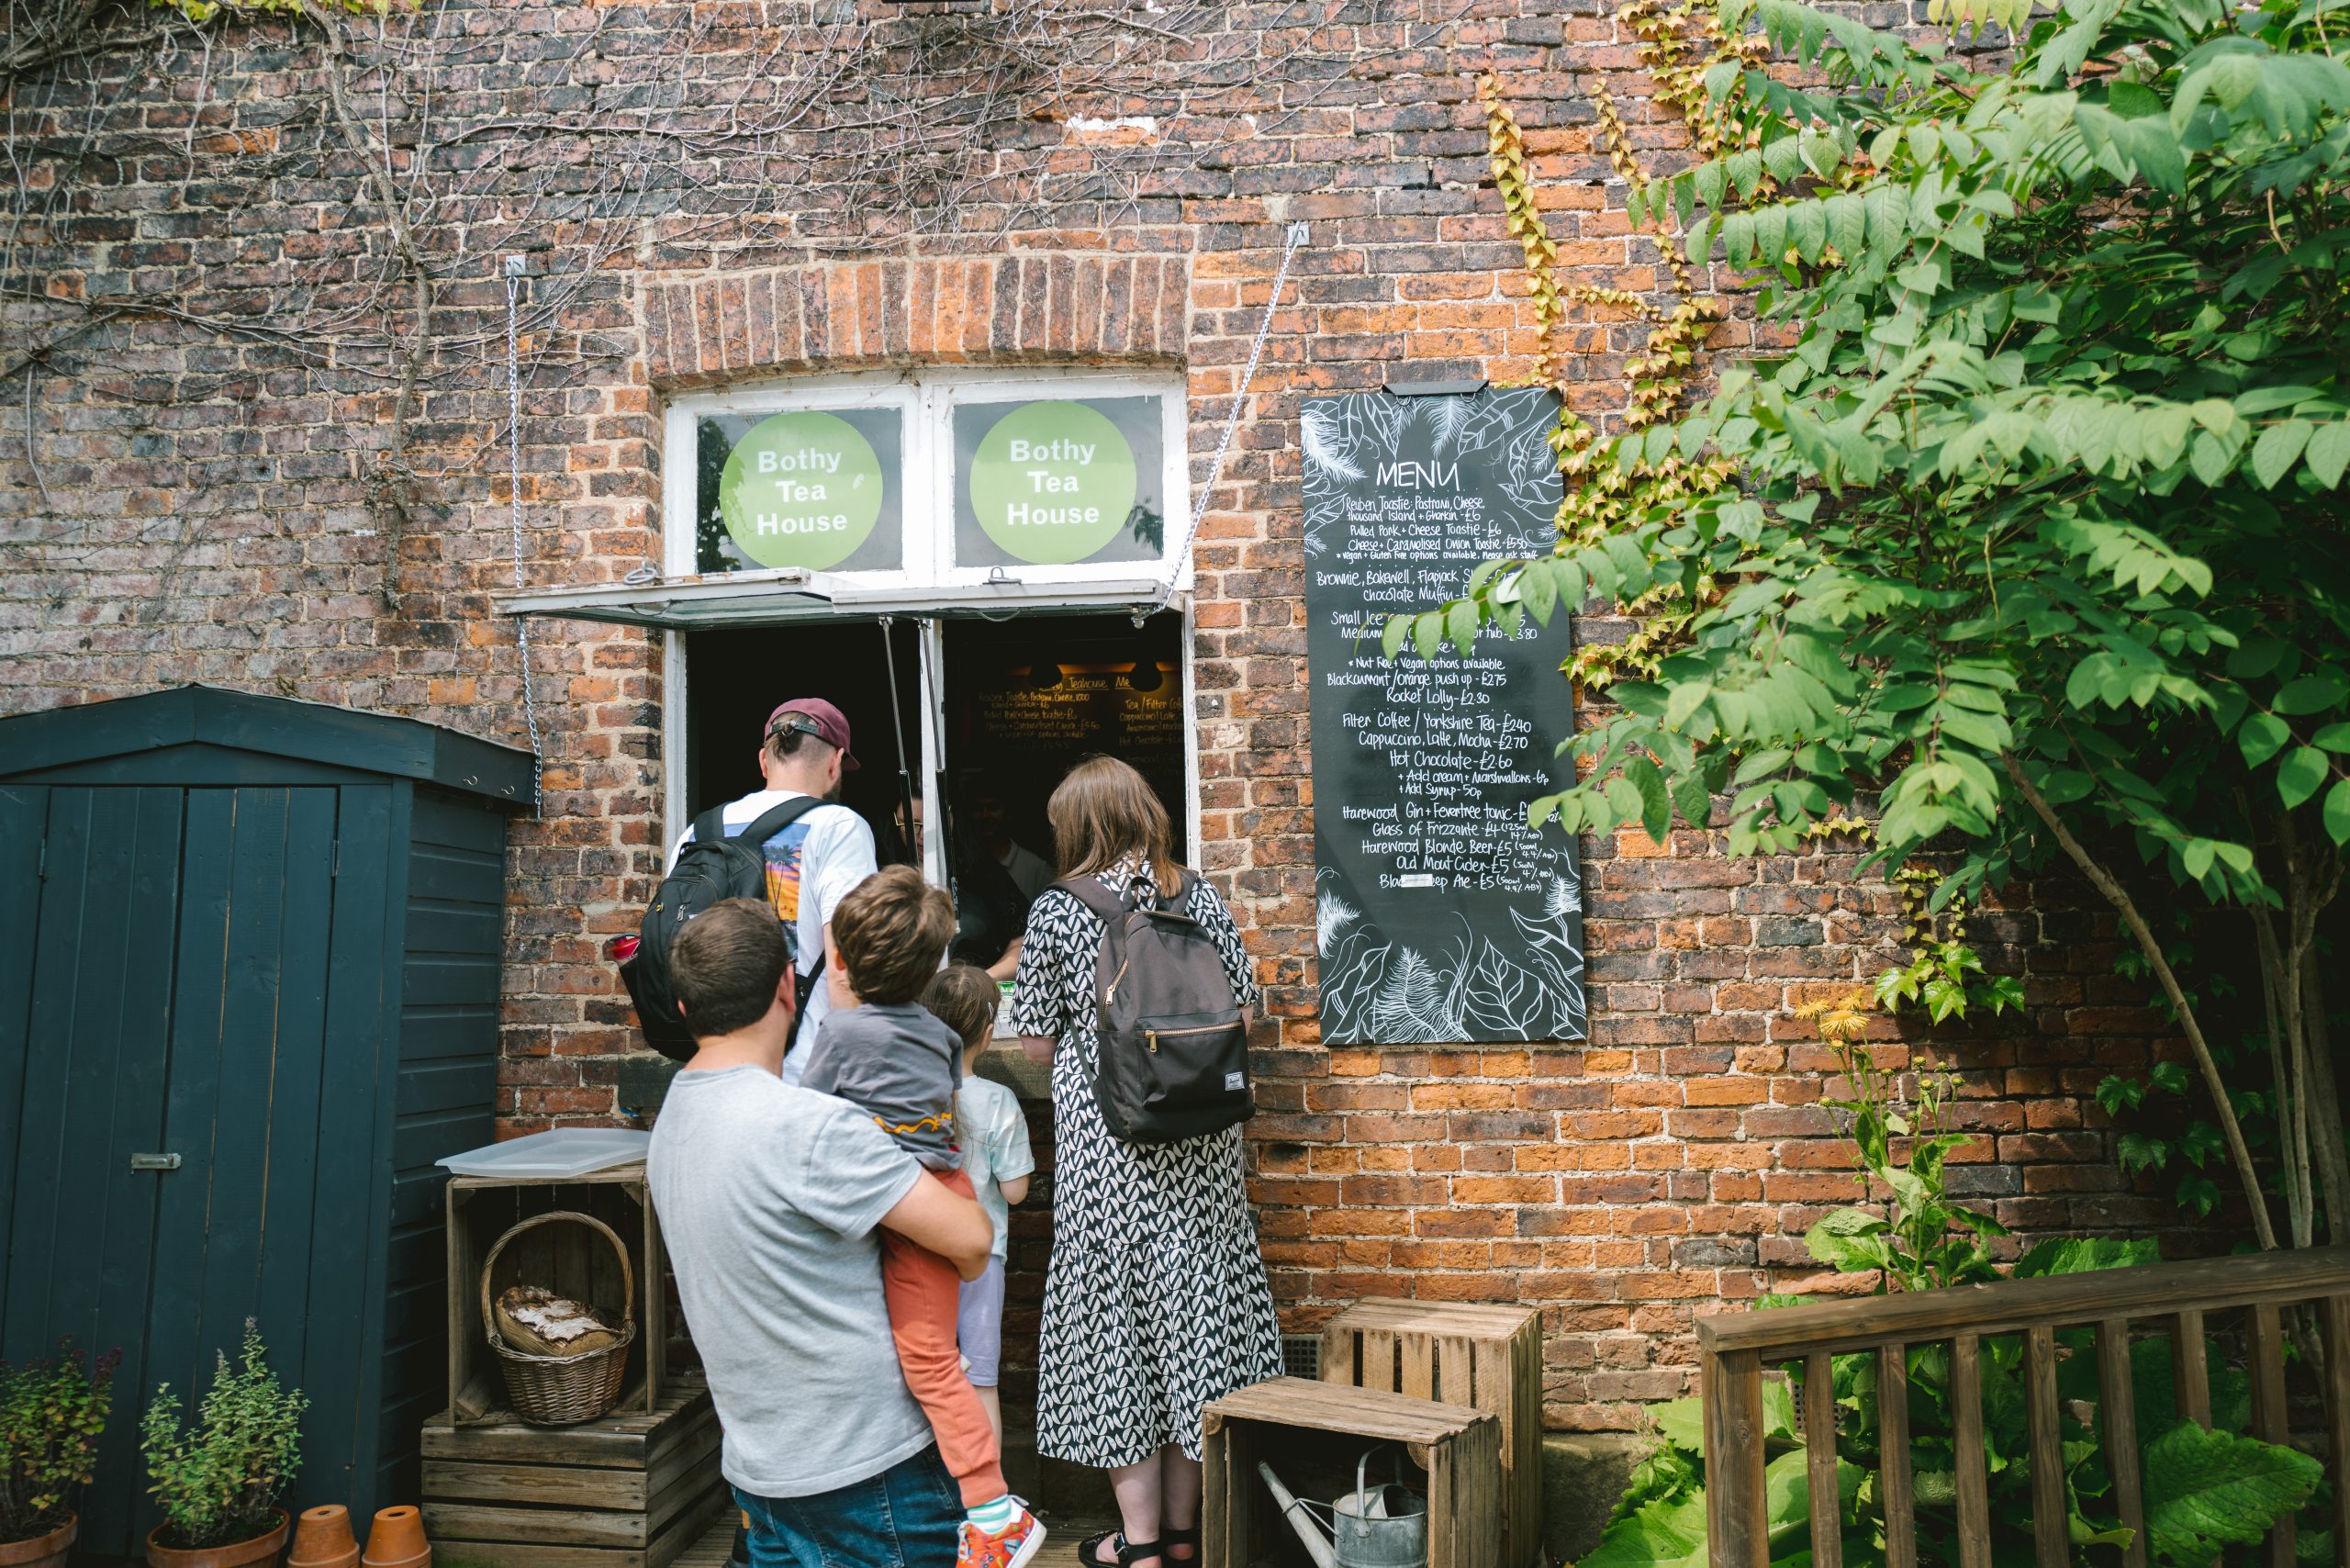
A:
229	456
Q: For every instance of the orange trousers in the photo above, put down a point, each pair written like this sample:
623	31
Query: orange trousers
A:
923	1290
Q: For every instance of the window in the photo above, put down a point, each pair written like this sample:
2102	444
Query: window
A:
810	487
975	566
1054	481
1066	488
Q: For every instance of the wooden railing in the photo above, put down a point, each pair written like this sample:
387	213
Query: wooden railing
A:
1734	1351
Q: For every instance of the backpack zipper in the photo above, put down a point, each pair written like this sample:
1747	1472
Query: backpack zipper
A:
1150	1036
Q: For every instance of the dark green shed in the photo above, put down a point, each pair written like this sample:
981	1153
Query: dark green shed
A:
249	982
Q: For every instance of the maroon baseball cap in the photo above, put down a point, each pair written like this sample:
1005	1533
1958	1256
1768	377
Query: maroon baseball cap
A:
828	723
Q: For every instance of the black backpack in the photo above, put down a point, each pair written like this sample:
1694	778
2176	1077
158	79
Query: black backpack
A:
1174	1053
712	867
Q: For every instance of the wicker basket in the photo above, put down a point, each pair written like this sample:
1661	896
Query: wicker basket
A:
561	1391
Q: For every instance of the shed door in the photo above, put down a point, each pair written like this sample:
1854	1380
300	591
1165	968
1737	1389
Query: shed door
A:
175	1006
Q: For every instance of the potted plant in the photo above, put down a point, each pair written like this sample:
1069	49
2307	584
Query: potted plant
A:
51	1415
219	1481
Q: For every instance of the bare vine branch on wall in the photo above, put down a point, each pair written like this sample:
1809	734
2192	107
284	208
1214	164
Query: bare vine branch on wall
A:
454	131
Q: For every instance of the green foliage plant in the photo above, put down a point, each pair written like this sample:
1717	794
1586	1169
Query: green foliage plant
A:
219	1480
2205	1491
1923	1241
52	1413
2034	536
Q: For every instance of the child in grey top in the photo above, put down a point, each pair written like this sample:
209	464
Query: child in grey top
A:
900	1065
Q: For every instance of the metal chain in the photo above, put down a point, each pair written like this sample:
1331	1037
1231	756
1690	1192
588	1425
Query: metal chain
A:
514	497
1296	237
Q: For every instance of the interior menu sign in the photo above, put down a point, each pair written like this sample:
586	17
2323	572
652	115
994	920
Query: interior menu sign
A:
1440	917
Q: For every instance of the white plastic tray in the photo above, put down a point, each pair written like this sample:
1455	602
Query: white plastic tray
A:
565	1151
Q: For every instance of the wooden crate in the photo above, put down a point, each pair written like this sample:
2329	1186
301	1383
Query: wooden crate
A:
629	1491
577	1264
1312	1433
1458	1354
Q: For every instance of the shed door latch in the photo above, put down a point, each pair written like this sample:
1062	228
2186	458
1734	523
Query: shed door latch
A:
154	1162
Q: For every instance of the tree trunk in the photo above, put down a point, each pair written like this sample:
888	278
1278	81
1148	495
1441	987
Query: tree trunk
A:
2281	993
2119	897
2325	1115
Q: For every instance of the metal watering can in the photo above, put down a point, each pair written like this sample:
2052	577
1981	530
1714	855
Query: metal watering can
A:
1384	1525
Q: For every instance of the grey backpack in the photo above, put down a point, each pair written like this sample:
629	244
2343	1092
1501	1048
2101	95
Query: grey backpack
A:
1174	1052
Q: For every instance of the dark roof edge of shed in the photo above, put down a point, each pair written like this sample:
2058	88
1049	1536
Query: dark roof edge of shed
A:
281	726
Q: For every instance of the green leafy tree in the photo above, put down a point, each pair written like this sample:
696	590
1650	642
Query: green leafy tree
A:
219	1482
2035	532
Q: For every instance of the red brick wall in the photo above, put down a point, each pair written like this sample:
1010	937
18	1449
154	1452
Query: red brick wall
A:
197	505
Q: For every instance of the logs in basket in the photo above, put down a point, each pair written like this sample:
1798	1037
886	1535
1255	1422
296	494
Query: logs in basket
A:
561	1391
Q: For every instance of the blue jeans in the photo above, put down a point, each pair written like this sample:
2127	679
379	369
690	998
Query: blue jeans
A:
904	1518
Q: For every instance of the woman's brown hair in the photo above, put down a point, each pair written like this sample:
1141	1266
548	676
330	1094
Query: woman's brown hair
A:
1105	812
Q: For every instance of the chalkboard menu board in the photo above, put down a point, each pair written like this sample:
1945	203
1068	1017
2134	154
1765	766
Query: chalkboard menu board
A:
1441	918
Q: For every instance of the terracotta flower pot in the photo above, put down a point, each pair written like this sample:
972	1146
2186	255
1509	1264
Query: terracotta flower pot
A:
322	1538
237	1554
397	1540
42	1551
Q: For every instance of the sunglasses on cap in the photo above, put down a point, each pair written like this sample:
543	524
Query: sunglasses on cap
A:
797	724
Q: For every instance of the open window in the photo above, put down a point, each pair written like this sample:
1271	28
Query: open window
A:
984	570
1011	706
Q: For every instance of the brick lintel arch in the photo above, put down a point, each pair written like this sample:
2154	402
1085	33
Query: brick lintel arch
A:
1028	305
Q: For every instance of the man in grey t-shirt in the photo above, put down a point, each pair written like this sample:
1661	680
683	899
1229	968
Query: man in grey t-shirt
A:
770	1197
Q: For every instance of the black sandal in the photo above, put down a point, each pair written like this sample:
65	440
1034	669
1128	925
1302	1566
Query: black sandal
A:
1088	1550
1189	1537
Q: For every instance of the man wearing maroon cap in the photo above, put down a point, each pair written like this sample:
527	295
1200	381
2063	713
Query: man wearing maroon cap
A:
817	860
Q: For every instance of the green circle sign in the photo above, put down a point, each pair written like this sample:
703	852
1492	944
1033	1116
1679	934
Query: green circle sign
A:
800	491
1053	482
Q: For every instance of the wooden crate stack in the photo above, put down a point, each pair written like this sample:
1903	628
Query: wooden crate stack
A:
1485	1357
1311	1433
628	1491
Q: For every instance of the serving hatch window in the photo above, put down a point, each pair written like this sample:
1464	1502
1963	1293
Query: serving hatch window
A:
932	479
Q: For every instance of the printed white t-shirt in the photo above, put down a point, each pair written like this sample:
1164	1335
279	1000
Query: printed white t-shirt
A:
994	1136
811	865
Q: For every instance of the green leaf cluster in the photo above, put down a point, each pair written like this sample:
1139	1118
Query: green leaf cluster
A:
219	1480
2049	474
52	1413
1924	1241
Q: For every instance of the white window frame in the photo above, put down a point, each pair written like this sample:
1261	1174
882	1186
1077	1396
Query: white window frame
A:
927	480
681	502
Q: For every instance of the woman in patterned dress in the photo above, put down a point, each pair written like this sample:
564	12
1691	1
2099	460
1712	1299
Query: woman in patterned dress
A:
1156	1301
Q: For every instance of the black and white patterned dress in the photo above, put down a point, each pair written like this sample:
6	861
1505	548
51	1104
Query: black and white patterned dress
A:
1156	1301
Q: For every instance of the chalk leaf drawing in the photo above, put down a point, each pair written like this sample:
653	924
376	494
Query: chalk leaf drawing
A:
1376	991
1324	452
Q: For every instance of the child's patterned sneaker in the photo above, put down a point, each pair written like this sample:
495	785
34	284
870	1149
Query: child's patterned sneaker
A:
1010	1547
